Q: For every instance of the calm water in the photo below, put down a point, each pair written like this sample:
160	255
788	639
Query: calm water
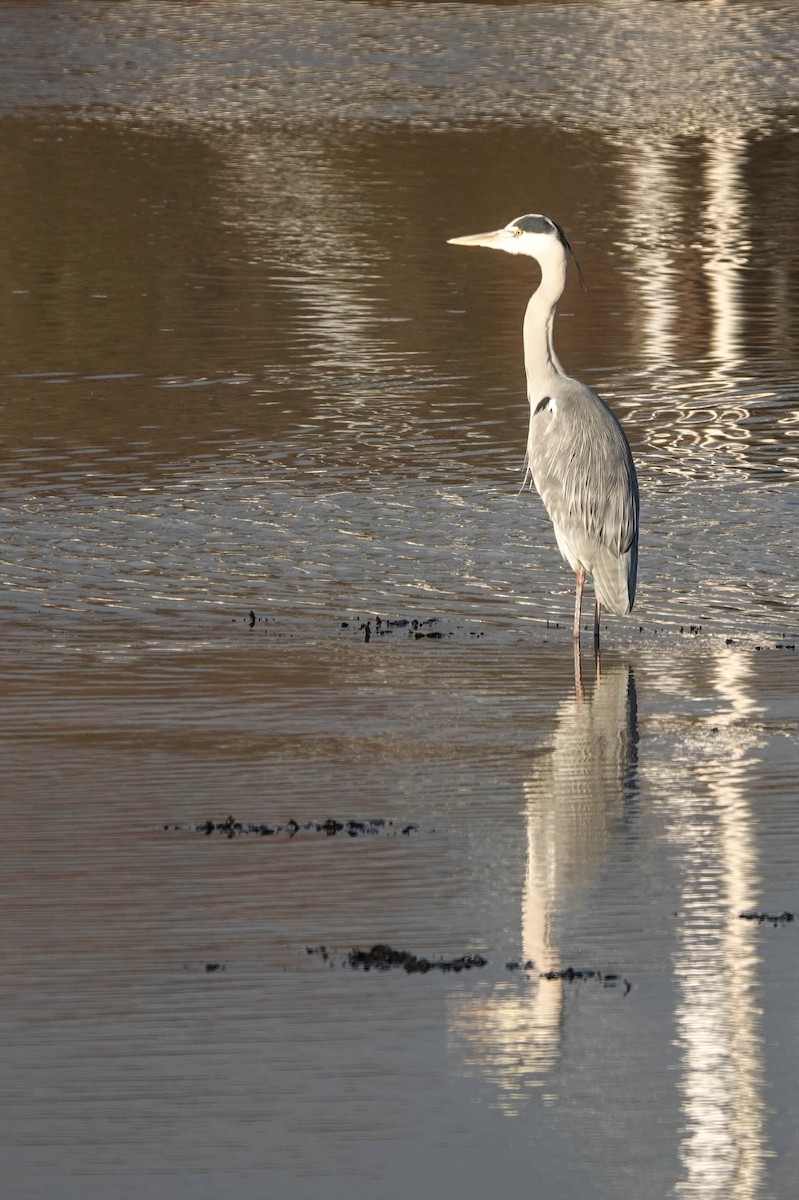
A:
243	372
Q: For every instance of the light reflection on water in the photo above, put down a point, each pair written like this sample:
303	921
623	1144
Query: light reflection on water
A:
718	1013
530	1036
242	370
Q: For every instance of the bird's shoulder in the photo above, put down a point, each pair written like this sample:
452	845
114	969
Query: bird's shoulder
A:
575	397
577	415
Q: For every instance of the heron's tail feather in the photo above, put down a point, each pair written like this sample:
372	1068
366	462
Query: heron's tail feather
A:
614	579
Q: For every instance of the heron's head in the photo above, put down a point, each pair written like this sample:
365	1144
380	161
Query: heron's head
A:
533	235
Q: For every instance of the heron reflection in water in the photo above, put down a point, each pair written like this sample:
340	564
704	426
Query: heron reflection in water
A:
579	802
578	457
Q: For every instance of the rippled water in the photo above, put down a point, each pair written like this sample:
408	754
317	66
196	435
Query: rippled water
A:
242	372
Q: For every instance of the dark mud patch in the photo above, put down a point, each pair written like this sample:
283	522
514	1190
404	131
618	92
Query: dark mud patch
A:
412	627
445	627
373	626
415	628
382	957
231	828
764	918
574	975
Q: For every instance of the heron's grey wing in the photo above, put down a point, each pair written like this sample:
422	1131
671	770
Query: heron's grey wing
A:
583	470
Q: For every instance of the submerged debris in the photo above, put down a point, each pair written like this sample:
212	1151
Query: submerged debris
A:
761	917
231	828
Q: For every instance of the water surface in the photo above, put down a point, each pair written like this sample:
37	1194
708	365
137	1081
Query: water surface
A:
242	372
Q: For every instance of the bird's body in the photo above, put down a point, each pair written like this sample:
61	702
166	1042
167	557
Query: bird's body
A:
578	457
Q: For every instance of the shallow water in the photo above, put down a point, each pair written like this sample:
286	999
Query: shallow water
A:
243	372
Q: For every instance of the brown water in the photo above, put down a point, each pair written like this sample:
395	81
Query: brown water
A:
242	371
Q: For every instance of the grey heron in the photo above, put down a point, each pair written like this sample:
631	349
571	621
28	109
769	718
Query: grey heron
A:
578	457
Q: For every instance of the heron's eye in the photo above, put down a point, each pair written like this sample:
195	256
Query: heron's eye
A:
517	231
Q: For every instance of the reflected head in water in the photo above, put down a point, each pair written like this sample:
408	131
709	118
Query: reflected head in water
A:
578	457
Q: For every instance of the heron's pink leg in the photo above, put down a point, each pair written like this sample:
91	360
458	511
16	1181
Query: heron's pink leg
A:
578	602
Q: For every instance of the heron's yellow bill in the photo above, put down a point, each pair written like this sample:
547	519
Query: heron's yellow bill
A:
479	239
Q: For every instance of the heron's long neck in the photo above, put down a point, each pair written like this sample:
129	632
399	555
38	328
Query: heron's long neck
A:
540	360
